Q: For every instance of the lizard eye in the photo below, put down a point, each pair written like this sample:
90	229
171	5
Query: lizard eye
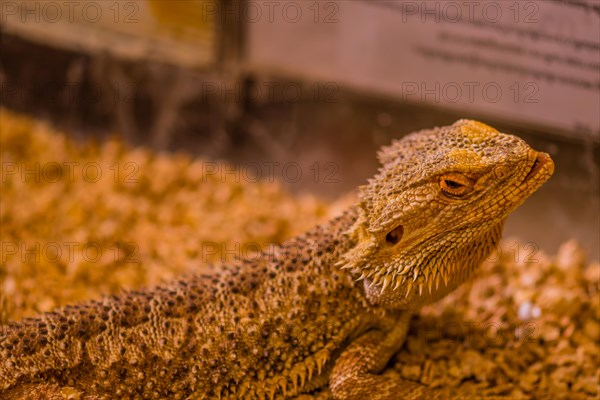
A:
394	235
455	184
452	184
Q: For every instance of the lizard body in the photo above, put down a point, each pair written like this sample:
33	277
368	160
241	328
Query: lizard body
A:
330	306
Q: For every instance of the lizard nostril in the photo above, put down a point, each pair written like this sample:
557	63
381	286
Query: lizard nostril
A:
394	235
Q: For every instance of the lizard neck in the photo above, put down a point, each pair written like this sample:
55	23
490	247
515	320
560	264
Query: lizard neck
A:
462	263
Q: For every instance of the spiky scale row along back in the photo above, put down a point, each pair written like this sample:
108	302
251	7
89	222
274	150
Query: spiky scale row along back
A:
328	306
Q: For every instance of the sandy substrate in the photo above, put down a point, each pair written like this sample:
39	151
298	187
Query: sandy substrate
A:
80	220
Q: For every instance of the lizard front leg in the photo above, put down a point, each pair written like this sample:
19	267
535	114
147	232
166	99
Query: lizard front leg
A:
355	373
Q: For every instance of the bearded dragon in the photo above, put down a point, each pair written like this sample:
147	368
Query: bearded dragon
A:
327	308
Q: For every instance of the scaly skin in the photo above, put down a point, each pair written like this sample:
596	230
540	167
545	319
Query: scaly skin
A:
330	306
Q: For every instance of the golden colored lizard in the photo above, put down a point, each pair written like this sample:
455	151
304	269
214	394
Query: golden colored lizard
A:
327	308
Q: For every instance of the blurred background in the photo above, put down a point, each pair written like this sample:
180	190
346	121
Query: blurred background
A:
305	91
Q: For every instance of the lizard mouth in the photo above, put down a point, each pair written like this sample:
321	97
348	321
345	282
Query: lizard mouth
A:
542	164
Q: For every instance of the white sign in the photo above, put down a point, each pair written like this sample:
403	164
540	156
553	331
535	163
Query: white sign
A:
531	62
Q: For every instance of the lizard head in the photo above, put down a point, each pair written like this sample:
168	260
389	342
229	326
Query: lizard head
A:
436	209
